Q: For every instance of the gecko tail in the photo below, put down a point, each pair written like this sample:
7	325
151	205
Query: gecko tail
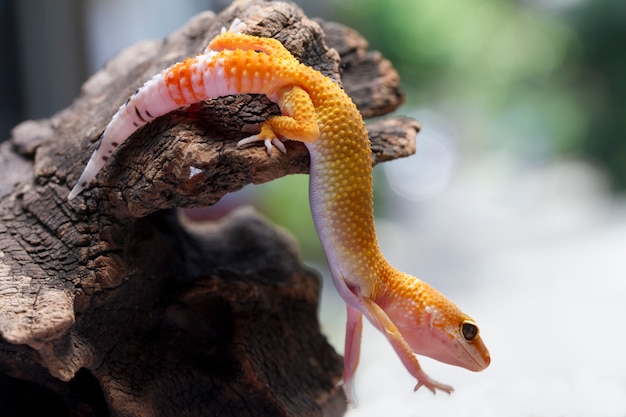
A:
82	183
78	188
91	170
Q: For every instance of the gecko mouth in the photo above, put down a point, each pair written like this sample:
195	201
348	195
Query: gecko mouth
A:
479	355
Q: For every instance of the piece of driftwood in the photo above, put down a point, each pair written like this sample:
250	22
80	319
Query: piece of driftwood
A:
112	304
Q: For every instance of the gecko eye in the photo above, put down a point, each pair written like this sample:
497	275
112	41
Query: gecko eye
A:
469	330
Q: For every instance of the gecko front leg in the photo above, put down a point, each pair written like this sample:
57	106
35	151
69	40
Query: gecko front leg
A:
382	322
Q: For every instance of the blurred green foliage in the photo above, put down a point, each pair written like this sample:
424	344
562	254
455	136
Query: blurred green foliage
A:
286	202
601	76
540	78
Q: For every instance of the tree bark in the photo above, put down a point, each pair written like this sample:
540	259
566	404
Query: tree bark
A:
111	304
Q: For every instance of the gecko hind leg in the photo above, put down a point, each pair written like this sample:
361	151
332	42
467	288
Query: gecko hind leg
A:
298	121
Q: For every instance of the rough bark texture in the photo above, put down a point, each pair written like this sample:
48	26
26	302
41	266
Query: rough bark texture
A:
113	305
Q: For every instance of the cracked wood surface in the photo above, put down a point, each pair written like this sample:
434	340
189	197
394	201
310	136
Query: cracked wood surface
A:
213	319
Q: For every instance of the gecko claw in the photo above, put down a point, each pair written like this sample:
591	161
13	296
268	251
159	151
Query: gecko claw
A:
246	141
276	142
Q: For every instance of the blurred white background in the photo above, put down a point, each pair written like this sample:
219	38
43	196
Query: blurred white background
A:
536	256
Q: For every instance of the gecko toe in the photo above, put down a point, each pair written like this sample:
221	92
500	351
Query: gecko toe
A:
279	145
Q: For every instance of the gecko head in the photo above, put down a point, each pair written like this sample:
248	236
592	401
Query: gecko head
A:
434	326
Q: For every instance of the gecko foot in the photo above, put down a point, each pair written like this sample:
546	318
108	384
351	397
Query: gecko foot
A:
432	385
269	143
236	26
348	389
266	135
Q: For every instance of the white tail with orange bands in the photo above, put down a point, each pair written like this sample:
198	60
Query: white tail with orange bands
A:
157	97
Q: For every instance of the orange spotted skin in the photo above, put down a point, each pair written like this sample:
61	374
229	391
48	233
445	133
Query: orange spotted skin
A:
415	318
412	315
